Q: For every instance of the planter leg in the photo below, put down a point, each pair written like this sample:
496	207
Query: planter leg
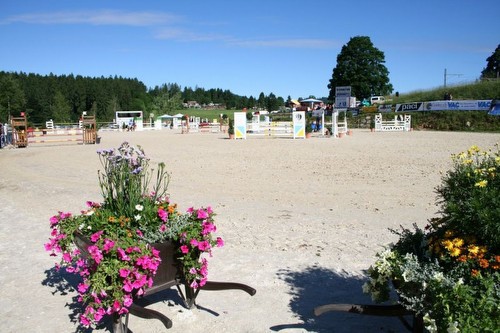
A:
118	325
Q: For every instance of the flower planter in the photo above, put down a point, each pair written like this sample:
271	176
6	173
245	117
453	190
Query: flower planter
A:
168	274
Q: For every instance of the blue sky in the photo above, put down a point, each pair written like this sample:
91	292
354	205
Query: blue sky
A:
285	47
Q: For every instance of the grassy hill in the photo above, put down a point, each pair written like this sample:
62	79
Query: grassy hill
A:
479	90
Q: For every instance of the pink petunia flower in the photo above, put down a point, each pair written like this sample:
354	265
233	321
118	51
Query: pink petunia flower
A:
96	236
202	214
184	249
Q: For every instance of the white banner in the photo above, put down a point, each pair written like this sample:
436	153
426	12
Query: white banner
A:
463	105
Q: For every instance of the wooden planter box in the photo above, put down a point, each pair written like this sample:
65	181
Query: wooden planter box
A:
168	275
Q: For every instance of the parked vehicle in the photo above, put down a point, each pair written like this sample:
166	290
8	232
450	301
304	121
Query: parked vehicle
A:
377	100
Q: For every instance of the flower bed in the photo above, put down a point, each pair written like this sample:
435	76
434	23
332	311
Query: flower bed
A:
120	263
449	272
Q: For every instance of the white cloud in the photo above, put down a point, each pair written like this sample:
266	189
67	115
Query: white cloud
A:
100	17
187	36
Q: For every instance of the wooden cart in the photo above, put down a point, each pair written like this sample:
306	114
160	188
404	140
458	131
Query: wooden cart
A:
19	128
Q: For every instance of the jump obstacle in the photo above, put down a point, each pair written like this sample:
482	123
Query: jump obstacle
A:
400	123
22	136
293	129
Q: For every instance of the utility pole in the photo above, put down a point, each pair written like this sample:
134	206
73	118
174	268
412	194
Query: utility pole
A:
447	74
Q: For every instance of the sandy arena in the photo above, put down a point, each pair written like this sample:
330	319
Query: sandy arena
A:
301	220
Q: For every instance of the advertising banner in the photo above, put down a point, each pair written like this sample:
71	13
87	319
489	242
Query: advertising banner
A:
409	107
240	125
463	105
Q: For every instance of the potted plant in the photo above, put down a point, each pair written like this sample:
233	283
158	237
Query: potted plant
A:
449	272
230	129
308	127
112	245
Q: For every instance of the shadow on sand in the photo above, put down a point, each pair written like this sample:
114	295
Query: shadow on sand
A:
317	286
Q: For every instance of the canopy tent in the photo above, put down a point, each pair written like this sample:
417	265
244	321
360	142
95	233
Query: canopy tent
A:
309	102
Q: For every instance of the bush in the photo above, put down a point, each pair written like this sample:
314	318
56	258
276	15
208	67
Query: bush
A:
449	272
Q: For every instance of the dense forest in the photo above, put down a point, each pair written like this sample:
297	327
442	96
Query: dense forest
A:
63	98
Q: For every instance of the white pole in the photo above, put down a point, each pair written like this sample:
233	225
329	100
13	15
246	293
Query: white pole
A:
323	123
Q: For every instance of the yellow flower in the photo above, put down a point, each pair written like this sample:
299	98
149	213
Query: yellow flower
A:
481	183
458	242
474	249
455	252
447	244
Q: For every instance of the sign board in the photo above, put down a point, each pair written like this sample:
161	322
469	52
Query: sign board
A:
240	125
343	91
341	102
342	97
299	124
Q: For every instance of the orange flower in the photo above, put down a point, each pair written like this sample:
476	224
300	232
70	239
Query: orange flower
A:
462	258
483	263
111	219
474	272
171	209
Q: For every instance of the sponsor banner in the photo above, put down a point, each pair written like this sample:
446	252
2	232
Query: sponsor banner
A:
409	107
464	105
299	124
240	125
385	108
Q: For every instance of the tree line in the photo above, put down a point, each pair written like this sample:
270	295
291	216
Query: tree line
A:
63	98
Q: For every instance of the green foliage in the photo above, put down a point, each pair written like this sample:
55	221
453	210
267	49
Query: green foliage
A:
230	129
102	97
12	98
450	272
492	70
470	197
61	109
477	90
126	178
361	66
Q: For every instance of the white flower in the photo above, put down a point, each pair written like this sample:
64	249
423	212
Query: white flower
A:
139	207
438	276
137	217
453	328
430	324
90	212
80	227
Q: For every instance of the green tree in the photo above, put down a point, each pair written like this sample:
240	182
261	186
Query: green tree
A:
166	102
361	66
261	102
61	109
272	103
492	71
12	99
